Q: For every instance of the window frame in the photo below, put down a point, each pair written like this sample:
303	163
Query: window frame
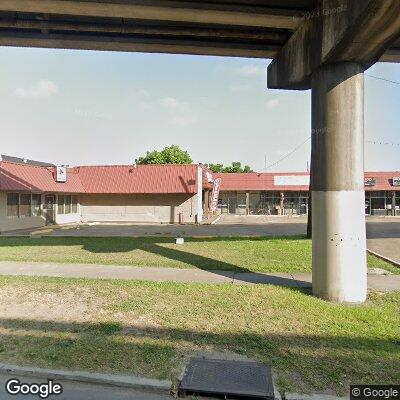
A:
74	205
68	204
38	205
61	204
8	205
27	207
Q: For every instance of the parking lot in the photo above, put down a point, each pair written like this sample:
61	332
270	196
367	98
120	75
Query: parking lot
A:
226	225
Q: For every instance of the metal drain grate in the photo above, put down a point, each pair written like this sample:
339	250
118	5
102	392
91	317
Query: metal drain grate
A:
240	379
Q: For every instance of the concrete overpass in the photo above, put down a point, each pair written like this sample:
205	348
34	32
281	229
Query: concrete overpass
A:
322	45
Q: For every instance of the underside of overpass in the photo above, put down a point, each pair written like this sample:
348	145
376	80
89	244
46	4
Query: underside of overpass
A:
240	28
322	45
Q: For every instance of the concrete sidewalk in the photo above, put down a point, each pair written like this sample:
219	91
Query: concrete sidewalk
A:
376	282
388	248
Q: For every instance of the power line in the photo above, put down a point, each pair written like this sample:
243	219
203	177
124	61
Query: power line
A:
368	141
382	143
305	141
289	154
383	79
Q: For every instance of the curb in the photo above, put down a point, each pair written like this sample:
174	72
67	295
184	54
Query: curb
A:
126	381
387	259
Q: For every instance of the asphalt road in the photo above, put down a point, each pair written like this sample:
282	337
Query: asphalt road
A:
81	391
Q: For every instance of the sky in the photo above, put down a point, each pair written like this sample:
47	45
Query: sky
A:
95	108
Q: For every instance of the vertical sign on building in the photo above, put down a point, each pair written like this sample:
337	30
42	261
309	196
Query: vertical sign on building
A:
61	174
215	194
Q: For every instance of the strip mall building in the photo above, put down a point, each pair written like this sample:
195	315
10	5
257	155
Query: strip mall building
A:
33	194
287	193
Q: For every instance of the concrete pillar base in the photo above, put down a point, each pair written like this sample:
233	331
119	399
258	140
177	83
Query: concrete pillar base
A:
340	258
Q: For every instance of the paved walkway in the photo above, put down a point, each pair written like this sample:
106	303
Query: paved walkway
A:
377	282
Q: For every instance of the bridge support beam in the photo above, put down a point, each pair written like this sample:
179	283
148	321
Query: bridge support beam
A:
328	54
337	181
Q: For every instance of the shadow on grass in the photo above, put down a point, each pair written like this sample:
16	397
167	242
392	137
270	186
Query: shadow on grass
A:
155	246
123	243
311	361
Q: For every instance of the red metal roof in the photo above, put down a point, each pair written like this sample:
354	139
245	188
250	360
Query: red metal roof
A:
142	179
257	181
118	179
157	179
25	177
383	180
266	181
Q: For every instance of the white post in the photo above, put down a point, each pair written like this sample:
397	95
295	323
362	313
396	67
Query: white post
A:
199	194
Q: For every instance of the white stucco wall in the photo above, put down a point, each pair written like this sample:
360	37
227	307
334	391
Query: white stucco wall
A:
12	223
138	208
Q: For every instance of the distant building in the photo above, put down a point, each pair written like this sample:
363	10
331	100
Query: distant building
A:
287	193
34	194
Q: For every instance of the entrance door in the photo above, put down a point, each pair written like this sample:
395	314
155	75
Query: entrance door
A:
49	201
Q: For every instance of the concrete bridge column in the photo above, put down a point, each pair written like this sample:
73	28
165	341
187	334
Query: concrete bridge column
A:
337	179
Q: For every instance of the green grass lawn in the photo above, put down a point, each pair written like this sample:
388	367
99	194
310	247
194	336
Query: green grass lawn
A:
152	329
281	254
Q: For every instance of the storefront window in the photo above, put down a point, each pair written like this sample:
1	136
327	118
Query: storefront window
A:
12	205
67	204
75	204
378	203
35	205
25	205
61	201
254	201
240	203
269	203
223	202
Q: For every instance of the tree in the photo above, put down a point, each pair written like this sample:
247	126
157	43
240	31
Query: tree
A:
168	155
235	167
